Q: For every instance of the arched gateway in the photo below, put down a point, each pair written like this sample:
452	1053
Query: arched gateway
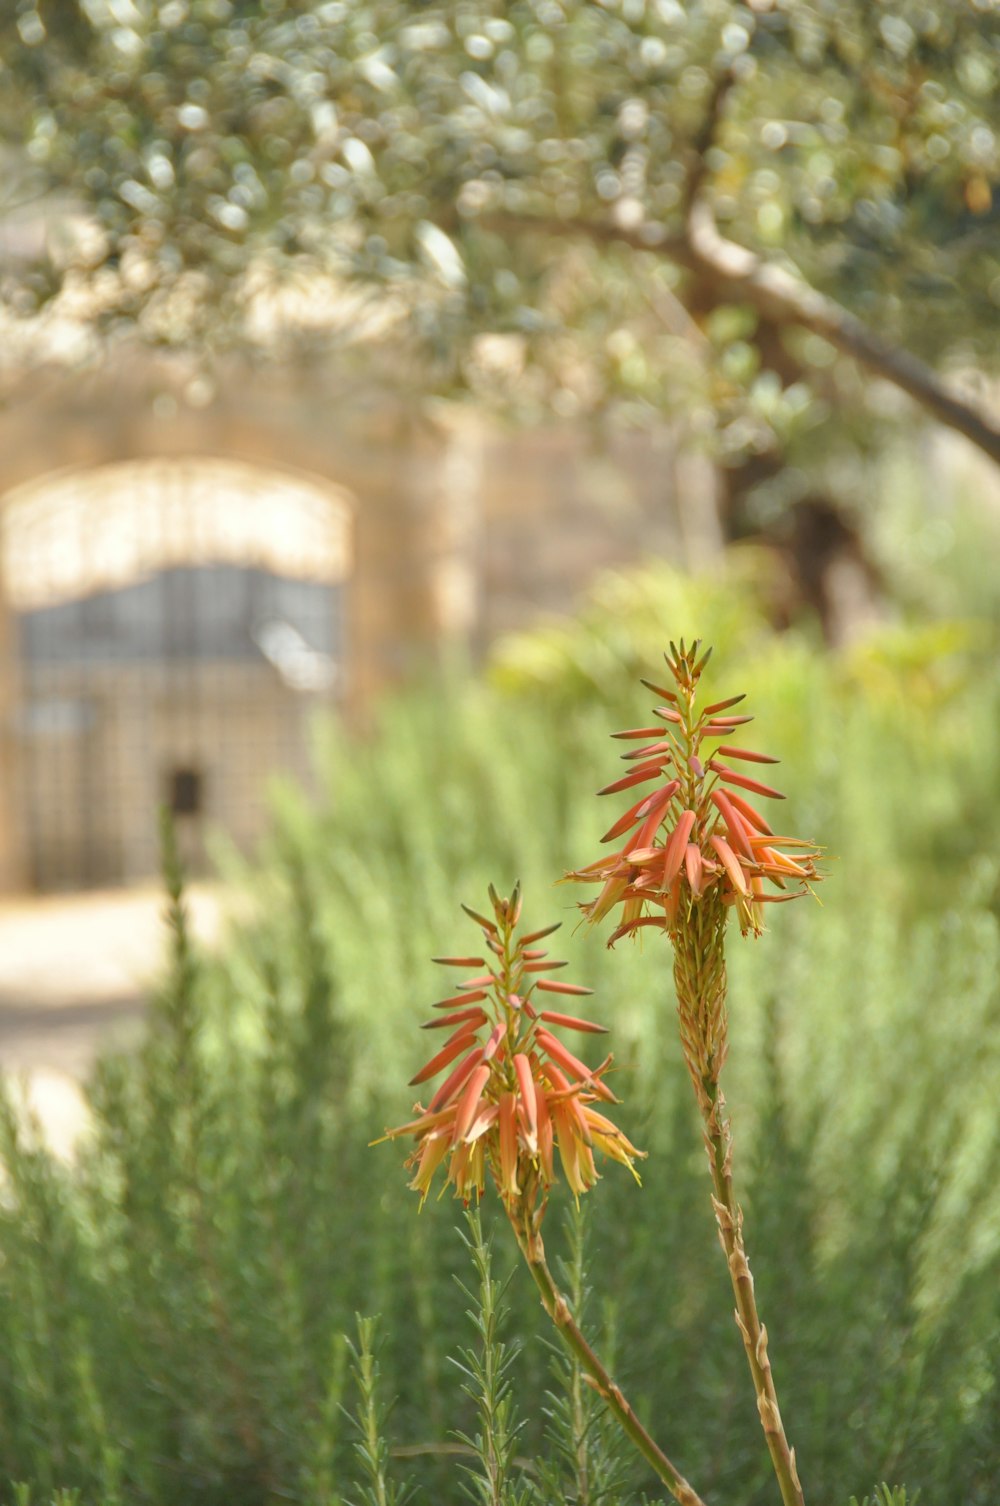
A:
175	621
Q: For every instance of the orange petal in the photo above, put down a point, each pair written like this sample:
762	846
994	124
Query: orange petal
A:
483	980
677	845
467	1105
782	861
456	1018
483	1121
607	899
430	1158
545	1138
647	752
750	813
426	1124
721	726
731	863
554	986
496	1036
573	1065
733	700
660	690
572	1022
695	867
526	1083
747	755
454	1081
731	777
460	961
656	814
458	1043
462	998
638	776
636	732
738	833
630	926
508	1146
673	902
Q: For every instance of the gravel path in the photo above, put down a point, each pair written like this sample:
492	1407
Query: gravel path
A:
74	974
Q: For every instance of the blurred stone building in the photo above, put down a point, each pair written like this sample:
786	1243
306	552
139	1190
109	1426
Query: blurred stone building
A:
191	570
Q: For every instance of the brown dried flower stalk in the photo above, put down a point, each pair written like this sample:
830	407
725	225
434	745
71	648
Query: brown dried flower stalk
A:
694	851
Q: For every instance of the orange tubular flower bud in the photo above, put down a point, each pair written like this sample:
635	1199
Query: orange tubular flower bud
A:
508	1146
556	986
638	776
744	782
447	1054
572	1022
469	1101
747	755
694	866
451	1084
676	847
731	863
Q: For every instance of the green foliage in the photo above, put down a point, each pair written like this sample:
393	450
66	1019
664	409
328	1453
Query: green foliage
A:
589	1464
487	1381
884	1496
172	1307
370	1446
235	151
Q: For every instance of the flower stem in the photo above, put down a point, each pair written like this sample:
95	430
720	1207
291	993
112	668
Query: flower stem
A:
556	1305
700	980
729	1217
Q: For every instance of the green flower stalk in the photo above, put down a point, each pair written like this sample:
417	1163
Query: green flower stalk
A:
693	852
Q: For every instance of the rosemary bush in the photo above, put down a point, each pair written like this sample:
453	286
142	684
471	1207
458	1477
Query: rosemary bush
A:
173	1307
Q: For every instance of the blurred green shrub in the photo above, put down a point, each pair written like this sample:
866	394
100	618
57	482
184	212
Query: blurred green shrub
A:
172	1308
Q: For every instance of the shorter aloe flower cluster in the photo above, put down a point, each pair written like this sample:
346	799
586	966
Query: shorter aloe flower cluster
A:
514	1091
695	834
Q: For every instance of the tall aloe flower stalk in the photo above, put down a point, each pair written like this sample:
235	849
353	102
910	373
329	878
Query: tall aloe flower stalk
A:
695	851
513	1095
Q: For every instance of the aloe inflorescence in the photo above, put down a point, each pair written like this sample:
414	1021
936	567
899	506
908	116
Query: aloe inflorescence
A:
514	1091
694	851
694	837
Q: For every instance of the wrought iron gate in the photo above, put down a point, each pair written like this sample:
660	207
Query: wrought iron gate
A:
177	623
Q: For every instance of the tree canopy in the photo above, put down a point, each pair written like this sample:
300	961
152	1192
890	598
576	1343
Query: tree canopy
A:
638	207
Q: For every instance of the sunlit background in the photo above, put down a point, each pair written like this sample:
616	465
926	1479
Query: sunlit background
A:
382	386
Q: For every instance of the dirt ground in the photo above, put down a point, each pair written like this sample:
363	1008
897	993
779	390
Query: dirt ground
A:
74	974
